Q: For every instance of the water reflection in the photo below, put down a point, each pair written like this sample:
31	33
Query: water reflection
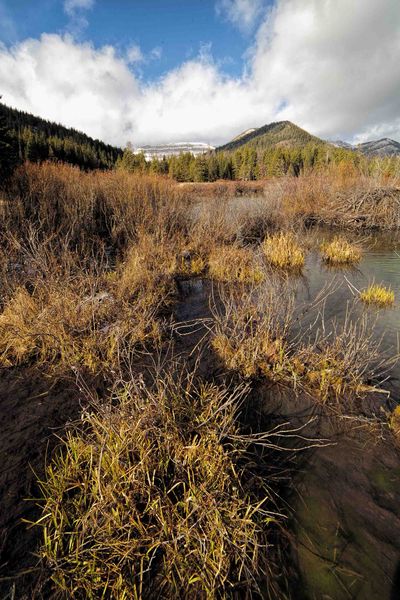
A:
380	264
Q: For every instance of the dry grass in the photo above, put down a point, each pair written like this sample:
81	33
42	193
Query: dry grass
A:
147	499
394	422
65	317
152	495
251	330
66	325
283	252
336	365
224	188
340	252
252	335
234	264
377	295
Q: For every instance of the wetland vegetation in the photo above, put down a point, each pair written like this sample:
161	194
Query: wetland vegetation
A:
183	439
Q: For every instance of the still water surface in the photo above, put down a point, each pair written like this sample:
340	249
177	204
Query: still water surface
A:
380	264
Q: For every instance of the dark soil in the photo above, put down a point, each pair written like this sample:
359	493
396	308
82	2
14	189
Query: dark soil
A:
32	412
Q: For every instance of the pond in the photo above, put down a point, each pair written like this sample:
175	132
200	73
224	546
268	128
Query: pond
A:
380	264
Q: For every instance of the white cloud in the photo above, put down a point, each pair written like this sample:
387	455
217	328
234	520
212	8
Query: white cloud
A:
134	54
75	11
241	13
331	66
70	6
156	53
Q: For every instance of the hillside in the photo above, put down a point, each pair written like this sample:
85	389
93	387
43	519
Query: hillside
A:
279	134
37	140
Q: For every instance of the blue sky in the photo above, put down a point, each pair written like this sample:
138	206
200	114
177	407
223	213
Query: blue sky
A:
167	32
155	71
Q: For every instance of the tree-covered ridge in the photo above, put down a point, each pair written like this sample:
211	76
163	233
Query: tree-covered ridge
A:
281	133
37	140
248	163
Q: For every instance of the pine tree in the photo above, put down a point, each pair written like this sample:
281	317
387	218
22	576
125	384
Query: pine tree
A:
8	154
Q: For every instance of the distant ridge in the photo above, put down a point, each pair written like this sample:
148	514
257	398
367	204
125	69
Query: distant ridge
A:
173	149
382	147
281	133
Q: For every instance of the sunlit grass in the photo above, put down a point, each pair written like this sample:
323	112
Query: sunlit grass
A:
191	264
148	496
235	264
378	295
282	251
340	252
394	422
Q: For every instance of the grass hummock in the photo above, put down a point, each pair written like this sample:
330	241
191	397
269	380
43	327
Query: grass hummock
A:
378	295
283	252
394	422
340	252
148	495
235	264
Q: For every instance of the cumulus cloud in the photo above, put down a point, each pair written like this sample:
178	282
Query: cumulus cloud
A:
331	66
241	13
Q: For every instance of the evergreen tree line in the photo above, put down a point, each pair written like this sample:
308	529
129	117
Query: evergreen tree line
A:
26	137
249	164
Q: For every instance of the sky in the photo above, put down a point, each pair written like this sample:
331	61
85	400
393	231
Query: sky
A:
156	71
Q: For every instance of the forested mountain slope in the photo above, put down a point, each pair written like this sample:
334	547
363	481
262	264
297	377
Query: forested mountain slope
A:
281	134
36	139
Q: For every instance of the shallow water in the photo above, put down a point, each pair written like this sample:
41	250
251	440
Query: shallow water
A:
343	499
380	264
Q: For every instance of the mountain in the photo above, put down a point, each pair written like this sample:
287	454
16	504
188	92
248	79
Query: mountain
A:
383	147
279	134
173	149
37	140
341	144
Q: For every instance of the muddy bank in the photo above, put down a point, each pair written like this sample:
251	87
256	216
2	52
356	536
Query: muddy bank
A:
346	520
33	412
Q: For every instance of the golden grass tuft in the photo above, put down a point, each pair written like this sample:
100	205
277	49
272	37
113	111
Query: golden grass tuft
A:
235	264
149	267
283	252
190	263
250	330
394	422
377	295
340	252
147	499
